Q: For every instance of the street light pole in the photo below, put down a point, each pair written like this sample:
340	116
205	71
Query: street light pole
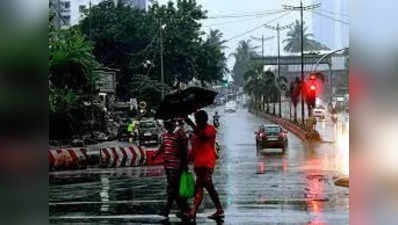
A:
161	57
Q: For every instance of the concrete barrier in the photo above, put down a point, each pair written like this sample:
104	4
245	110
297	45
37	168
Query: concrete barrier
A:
116	157
67	159
130	156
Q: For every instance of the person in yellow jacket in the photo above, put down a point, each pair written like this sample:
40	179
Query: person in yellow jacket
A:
131	129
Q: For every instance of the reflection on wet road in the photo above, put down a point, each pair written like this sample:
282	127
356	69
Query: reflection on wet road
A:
267	188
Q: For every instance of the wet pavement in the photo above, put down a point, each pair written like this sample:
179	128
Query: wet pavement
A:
268	188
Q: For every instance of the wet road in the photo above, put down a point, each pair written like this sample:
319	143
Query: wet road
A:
269	188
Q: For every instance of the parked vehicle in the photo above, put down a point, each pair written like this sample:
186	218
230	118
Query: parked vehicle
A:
271	136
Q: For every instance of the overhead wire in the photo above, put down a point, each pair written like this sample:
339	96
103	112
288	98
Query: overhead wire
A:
236	21
226	16
334	13
331	18
257	27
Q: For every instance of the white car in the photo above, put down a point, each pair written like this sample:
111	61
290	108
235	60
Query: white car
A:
230	107
320	113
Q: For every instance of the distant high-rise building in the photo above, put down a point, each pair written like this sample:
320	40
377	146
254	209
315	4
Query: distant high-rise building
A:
328	23
70	12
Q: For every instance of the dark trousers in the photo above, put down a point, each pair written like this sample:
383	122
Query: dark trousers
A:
173	185
204	180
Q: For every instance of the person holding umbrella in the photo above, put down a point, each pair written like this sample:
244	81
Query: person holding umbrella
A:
174	147
204	159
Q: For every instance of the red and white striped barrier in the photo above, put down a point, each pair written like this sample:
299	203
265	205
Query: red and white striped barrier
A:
67	159
130	156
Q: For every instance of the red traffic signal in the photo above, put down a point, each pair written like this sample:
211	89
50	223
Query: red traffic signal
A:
312	87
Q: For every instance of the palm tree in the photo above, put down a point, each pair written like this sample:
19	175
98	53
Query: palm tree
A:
255	85
293	40
294	92
282	87
272	89
243	54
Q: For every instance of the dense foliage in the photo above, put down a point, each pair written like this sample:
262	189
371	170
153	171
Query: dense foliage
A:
71	78
242	55
129	39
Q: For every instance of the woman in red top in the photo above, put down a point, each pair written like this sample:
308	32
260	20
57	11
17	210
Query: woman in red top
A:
204	159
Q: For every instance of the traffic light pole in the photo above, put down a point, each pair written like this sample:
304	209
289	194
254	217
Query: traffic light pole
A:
302	62
302	8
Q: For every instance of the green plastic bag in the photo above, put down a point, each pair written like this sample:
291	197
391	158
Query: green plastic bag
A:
187	185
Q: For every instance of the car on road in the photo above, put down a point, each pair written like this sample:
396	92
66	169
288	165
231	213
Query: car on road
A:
149	132
319	113
230	107
271	136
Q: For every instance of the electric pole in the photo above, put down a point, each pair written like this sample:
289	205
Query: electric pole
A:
302	8
262	39
278	29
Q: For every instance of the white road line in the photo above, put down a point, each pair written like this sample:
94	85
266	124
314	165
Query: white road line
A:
110	202
142	216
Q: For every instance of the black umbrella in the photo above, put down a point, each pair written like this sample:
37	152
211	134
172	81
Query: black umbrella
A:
185	102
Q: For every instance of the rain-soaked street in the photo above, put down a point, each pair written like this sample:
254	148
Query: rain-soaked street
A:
269	188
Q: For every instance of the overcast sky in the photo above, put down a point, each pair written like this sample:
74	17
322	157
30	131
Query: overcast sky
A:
232	27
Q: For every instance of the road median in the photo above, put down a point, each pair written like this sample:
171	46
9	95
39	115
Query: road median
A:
297	130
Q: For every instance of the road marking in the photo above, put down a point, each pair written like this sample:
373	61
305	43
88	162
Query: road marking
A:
110	202
138	216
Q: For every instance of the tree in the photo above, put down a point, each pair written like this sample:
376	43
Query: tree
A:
282	84
122	38
181	39
293	40
149	90
71	79
243	54
211	60
295	91
129	39
255	85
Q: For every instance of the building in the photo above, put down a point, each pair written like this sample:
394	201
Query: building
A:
329	23
71	12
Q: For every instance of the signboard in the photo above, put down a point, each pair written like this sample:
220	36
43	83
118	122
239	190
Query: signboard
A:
106	82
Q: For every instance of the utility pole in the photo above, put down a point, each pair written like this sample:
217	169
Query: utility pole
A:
302	9
262	39
92	80
262	46
278	29
161	56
